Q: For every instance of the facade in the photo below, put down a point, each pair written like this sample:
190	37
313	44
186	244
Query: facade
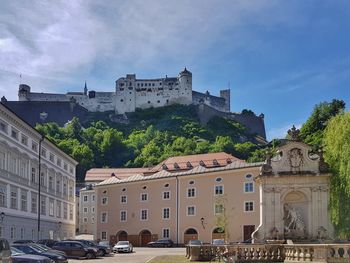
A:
132	93
24	154
286	197
87	211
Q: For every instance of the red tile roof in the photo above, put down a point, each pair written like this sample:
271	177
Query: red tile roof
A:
100	174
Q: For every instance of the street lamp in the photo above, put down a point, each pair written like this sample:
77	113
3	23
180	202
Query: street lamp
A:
202	221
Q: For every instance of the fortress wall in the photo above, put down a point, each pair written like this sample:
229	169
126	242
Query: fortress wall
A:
213	101
47	97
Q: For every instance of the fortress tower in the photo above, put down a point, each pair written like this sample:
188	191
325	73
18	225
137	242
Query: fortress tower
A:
23	92
226	94
185	83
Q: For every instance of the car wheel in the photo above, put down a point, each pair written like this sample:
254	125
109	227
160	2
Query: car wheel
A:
89	255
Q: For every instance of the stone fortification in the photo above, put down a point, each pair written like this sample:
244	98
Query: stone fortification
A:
132	93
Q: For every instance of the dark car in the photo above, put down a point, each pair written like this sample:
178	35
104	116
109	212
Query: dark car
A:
102	250
17	256
35	250
24	241
45	248
47	242
75	249
161	243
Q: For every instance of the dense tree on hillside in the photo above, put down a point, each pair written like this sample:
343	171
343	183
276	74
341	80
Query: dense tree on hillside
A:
337	155
311	131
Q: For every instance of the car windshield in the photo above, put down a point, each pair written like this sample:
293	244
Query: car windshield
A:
36	248
40	246
16	252
123	243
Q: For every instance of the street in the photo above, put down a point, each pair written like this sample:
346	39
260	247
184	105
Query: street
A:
140	255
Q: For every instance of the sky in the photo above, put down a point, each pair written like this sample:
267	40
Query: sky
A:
280	58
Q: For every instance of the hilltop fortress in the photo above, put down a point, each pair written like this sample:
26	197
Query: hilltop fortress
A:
132	93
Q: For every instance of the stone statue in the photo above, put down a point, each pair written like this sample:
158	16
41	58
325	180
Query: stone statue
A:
293	221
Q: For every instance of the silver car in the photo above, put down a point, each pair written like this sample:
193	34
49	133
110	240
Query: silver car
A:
123	246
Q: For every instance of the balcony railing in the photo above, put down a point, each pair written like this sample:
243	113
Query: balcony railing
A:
320	253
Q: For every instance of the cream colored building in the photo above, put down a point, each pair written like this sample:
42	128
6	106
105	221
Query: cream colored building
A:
27	160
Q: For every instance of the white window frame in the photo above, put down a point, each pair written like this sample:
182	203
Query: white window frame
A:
244	207
164	230
102	235
244	188
191	188
102	200
144	194
218	213
126	216
85	209
121	199
85	220
194	210
106	221
166	218
146	219
164	194
219	186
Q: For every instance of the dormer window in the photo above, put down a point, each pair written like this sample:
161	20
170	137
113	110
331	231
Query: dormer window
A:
201	163
176	166
215	162
189	165
164	167
228	161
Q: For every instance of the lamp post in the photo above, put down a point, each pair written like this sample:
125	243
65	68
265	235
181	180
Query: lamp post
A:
2	216
59	229
202	222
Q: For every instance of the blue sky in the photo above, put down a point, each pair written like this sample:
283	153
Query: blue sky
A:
280	57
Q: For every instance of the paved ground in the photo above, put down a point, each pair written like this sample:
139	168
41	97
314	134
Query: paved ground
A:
140	255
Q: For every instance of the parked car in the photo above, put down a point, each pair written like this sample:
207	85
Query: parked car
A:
75	249
161	243
5	251
101	250
45	248
195	242
33	249
218	242
106	245
47	242
17	256
23	241
123	246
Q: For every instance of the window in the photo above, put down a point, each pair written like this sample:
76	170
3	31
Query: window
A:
59	161
104	217
22	232
58	186
85	220
166	213
52	157
219	208
65	212
34	199
92	209
85	209
3	127
85	198
122	216
34	146
58	209
191	192
104	200
43	152
51	207
33	175
65	188
166	195
218	180
24	140
65	166
219	189
13	204
24	200
12	232
144	197
166	233
249	177
248	187
123	199
191	210
248	206
70	212
104	235
2	159
14	134
42	179
43	205
144	214
3	197
93	198
92	220
51	182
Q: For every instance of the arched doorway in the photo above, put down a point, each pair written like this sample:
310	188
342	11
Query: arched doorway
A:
145	237
190	234
218	233
122	236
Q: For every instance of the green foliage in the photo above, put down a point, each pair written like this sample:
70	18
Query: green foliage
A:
151	136
312	130
337	155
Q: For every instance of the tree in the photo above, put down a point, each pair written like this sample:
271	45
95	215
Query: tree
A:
337	155
311	131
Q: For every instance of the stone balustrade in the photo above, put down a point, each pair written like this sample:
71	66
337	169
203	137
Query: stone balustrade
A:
318	253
